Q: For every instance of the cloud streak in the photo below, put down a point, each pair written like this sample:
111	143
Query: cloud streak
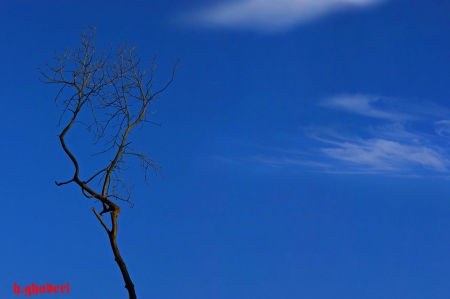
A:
442	128
365	105
393	145
386	108
271	15
385	136
387	155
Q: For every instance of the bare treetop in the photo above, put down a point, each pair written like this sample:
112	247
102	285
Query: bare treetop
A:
116	92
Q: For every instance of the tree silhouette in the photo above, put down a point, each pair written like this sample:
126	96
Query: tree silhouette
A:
110	96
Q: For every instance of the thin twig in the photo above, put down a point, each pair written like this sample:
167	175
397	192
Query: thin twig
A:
101	220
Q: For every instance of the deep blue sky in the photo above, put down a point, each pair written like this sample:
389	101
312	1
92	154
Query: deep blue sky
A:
305	146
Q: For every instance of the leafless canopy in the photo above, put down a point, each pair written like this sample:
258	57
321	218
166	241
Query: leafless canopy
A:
110	96
117	93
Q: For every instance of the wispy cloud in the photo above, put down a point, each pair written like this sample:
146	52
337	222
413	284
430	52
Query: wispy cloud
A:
388	155
443	128
271	15
386	136
365	105
385	107
392	145
290	161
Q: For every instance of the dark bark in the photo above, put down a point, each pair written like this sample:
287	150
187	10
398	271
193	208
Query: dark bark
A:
112	234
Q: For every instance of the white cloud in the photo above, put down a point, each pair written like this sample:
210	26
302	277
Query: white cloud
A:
394	145
365	105
356	155
443	128
387	136
387	108
397	131
382	154
271	15
288	161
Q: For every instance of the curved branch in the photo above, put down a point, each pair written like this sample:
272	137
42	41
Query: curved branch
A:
175	66
63	183
87	196
104	169
101	220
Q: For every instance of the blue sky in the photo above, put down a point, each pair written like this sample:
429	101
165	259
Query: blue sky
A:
305	147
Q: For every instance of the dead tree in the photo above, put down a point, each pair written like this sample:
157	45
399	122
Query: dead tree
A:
110	96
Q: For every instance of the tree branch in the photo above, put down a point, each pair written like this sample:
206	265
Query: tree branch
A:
101	220
63	183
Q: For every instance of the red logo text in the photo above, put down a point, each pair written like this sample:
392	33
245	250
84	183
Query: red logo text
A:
34	289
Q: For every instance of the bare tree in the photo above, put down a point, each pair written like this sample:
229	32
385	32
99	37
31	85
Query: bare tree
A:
110	96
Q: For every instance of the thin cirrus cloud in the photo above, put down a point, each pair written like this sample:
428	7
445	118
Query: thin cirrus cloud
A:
443	128
385	107
365	105
385	136
385	155
271	15
392	145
